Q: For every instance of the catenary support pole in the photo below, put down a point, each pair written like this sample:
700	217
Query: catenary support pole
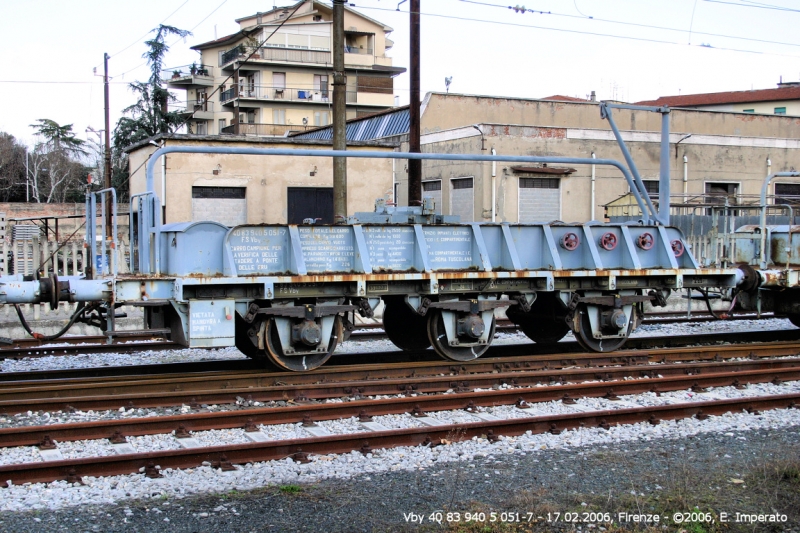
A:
414	165
339	115
664	181
107	154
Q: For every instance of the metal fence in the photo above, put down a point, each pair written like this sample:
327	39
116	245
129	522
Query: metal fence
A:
709	226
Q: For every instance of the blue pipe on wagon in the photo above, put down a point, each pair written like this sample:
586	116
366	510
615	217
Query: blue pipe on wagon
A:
648	214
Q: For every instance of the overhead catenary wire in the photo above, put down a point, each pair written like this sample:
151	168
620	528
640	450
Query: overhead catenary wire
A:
635	24
590	33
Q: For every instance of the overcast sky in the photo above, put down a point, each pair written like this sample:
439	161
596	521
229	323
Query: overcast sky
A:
622	49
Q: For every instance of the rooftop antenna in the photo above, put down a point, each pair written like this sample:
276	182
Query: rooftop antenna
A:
447	81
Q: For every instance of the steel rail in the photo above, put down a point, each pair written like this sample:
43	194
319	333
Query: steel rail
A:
226	388
423	398
567	346
225	456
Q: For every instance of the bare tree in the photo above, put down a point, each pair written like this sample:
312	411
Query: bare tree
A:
12	169
54	165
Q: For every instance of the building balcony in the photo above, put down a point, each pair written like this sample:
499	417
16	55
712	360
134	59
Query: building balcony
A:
198	109
189	77
270	54
280	94
263	130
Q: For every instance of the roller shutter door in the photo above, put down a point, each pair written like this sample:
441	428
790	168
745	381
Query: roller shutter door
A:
462	198
539	199
433	189
227	205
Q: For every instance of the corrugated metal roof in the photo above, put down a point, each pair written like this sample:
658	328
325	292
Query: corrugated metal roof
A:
378	126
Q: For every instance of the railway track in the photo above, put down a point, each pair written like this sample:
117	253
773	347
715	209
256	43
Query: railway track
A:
424	394
367	391
373	438
230	387
88	344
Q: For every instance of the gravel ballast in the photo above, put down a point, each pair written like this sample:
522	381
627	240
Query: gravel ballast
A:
353	492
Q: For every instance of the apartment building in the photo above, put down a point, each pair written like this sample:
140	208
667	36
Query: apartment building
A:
275	75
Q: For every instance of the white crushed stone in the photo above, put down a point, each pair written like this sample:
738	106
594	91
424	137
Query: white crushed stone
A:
180	483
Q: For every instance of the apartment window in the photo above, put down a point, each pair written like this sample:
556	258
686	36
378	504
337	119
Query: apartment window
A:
748	111
201	127
223	122
279	80
321	84
321	118
251	117
279	116
780	110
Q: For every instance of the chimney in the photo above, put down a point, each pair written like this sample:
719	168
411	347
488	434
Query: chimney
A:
259	17
593	96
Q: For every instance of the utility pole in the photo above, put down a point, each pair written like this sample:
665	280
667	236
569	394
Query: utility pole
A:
107	155
414	165
339	115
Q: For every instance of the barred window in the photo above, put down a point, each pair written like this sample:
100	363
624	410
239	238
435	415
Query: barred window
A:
539	183
433	185
219	192
462	183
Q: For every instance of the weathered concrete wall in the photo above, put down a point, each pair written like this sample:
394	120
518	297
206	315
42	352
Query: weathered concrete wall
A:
266	178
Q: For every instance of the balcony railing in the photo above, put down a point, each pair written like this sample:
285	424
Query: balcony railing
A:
290	55
228	94
357	50
230	55
288	94
199	105
263	129
187	71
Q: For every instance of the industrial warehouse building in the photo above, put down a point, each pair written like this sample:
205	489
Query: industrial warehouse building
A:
251	189
715	155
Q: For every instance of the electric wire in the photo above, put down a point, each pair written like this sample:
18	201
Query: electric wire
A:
638	25
581	32
756	5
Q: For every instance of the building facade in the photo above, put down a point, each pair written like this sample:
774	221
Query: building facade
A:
714	155
275	75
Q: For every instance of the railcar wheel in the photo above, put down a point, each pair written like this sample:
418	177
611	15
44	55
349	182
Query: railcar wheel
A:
300	362
406	329
441	345
542	332
582	328
542	324
242	338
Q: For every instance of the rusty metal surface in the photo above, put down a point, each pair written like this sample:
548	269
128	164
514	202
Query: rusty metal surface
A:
220	456
677	377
